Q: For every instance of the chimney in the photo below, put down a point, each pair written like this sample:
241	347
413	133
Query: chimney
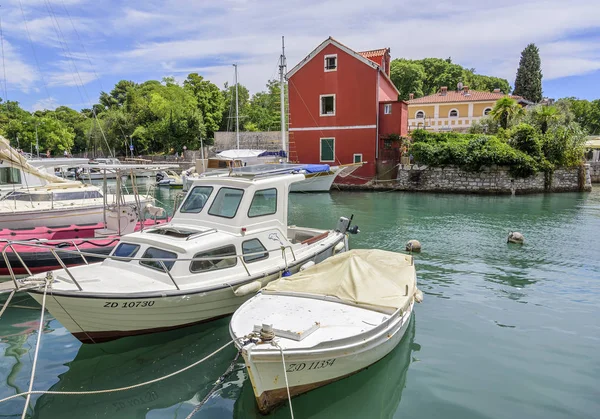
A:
497	90
444	90
411	96
466	90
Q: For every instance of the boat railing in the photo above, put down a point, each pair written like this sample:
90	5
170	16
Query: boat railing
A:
9	245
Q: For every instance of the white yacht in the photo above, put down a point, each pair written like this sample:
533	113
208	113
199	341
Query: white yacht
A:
33	196
228	239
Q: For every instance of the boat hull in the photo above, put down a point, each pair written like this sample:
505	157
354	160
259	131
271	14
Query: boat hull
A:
100	318
317	182
308	371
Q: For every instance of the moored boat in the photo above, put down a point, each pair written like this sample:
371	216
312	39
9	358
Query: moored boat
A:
228	239
325	323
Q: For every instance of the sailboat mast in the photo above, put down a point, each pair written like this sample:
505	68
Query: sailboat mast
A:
282	68
237	116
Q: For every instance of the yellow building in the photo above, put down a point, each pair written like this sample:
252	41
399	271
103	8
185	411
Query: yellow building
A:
453	110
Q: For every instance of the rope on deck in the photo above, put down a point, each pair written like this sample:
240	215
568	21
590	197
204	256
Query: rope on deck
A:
287	386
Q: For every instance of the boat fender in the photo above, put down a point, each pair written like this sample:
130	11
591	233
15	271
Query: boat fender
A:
307	265
286	273
246	289
419	296
413	246
338	248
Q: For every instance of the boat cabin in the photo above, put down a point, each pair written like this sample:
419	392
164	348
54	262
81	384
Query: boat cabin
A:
218	219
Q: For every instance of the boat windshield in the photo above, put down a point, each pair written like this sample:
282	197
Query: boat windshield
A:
196	199
226	203
52	196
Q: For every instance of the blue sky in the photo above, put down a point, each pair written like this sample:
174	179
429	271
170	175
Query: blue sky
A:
81	47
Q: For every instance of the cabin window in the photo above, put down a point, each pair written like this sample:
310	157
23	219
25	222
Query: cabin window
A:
9	176
453	113
264	202
387	108
126	250
420	115
154	253
331	62
216	263
327	149
196	199
255	249
357	158
327	105
487	111
226	203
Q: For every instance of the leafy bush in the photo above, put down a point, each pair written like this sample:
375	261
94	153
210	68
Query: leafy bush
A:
472	153
525	138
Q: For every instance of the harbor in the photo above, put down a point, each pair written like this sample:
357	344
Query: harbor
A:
204	217
491	309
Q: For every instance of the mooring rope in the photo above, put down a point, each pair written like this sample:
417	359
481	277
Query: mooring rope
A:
37	348
287	386
220	381
112	390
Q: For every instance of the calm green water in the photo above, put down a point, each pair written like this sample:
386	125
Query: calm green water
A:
504	332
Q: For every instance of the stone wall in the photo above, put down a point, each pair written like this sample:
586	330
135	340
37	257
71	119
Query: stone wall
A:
595	171
493	180
267	140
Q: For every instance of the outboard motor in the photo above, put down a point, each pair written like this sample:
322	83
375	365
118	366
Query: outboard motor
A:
160	176
344	226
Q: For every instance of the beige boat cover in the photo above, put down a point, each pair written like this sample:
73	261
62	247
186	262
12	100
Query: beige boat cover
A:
375	279
11	155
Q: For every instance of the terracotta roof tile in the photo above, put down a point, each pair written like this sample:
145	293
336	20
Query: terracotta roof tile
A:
454	96
373	53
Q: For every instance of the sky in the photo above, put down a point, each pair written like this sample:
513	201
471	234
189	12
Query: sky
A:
65	52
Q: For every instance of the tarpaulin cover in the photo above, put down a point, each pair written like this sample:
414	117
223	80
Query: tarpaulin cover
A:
375	279
316	168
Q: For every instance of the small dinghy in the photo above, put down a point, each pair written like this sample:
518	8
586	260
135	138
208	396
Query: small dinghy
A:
324	323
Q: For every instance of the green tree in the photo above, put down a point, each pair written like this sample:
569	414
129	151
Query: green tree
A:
543	116
528	83
525	138
228	121
408	77
211	102
505	111
117	95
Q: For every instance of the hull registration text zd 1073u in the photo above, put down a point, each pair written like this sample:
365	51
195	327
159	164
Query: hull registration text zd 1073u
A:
128	304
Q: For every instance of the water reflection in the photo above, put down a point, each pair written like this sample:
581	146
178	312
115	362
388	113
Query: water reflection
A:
372	393
134	360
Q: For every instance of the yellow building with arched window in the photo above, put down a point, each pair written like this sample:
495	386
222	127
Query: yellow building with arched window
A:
454	110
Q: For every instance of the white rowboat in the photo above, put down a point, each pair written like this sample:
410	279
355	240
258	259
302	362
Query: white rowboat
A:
328	322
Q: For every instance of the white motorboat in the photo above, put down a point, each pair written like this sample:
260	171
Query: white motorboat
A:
170	179
317	177
325	323
228	239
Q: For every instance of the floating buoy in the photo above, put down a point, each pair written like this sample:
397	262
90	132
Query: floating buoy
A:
419	296
515	237
413	246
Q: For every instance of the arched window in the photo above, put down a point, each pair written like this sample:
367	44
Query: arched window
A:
487	111
420	115
453	113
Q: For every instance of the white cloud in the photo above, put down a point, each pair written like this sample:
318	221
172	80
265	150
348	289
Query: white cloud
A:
19	74
136	40
49	103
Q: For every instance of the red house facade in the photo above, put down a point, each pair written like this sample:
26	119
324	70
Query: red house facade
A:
343	108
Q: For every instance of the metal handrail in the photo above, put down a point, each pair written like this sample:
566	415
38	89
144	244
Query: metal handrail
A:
54	251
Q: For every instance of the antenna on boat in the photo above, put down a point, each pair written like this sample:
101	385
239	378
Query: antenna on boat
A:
237	116
282	68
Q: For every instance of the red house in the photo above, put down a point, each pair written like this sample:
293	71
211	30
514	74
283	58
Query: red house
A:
343	108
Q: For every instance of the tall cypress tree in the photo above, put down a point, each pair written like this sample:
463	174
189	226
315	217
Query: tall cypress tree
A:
529	75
